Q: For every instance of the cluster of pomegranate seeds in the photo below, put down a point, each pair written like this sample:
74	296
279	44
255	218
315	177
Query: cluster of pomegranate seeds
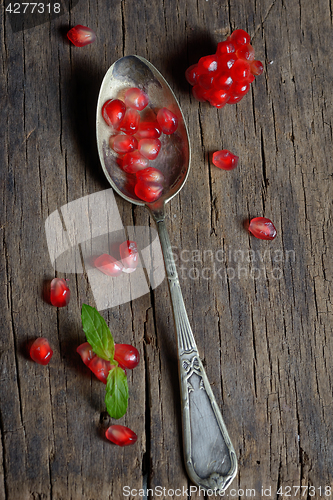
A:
262	228
225	77
129	259
136	139
81	35
59	293
121	435
40	351
225	160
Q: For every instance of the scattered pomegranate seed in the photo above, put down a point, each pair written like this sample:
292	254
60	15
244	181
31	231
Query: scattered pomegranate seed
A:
148	192
149	130
81	35
136	98
113	112
245	52
192	75
262	228
240	37
127	355
149	148
167	120
123	143
86	352
100	367
121	435
225	160
129	255
108	265
60	293
130	122
40	351
257	68
133	162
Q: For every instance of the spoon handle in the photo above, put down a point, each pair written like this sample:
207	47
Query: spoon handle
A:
210	458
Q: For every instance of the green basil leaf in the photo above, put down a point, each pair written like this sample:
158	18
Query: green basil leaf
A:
116	397
97	333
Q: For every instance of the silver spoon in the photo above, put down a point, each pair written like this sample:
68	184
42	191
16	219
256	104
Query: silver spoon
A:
210	458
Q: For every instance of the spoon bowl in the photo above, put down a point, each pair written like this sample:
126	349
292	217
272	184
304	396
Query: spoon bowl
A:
210	458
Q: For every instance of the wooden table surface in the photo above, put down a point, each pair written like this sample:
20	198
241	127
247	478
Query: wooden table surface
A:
261	311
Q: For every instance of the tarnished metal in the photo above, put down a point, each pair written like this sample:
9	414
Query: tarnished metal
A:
210	458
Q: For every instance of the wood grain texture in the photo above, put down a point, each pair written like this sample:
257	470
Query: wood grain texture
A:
261	312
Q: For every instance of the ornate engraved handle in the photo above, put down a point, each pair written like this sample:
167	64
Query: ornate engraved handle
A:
210	458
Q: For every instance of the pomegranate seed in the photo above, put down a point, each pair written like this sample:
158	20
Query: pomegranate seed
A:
167	121
240	70
199	93
130	122
129	255
208	64
81	35
100	368
127	355
149	148
150	174
40	351
206	80
262	228
257	68
60	293
86	352
239	89
121	435
245	52
113	112
149	130
225	48
234	99
148	191
218	98
136	98
225	160
133	162
108	265
192	74
240	37
123	143
226	62
223	81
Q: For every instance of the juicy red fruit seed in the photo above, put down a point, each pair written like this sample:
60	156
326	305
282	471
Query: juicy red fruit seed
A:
133	162
129	255
239	38
113	112
245	52
108	265
240	71
199	93
208	64
40	351
225	47
149	130
81	35
257	68
150	174
121	435
136	98
167	120
127	356
86	352
60	293
225	160
100	368
262	228
123	143
149	148
192	74
148	191
130	122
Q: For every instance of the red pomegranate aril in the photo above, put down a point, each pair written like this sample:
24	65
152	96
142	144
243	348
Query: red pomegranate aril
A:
239	89
129	255
206	80
81	35
59	293
149	130
167	121
149	148
127	355
40	351
208	64
240	70
123	143
218	98
245	52
192	74
225	160
133	162
262	228
108	265
86	352
225	48
150	174
199	93
240	37
148	191
130	122
223	81
113	112
100	368
136	98
121	435
251	78
257	68
226	62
